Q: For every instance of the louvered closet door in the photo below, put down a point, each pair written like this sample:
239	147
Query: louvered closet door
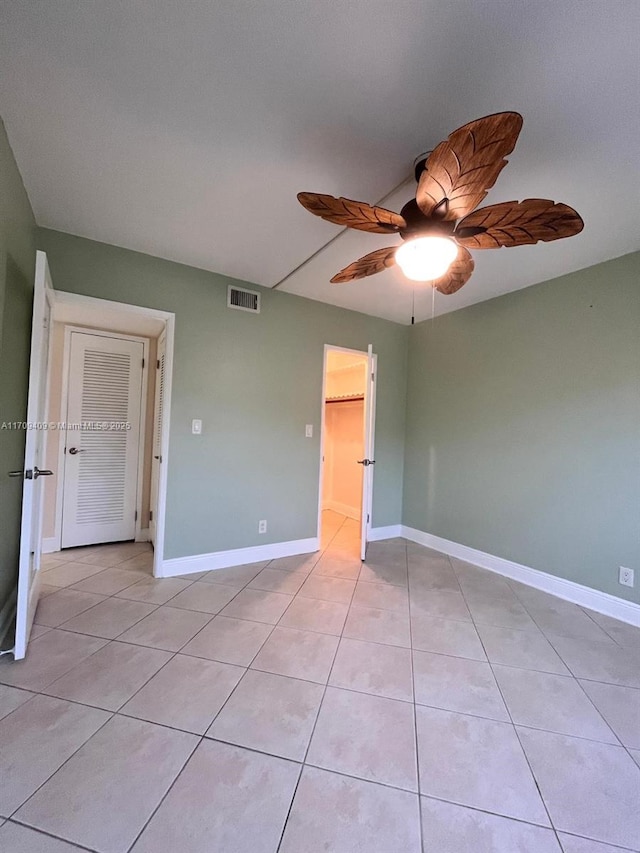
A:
101	457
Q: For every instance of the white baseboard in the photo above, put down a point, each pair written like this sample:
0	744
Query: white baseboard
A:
50	545
601	602
392	531
8	613
237	557
342	509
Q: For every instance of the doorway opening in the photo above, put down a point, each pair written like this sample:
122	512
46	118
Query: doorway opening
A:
346	466
108	391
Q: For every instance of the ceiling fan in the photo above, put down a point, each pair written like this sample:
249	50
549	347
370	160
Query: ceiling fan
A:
438	226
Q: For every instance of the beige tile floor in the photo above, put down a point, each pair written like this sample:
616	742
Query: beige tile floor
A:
410	704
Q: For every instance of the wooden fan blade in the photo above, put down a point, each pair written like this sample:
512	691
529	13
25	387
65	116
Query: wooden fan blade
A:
466	165
370	264
352	214
458	273
514	223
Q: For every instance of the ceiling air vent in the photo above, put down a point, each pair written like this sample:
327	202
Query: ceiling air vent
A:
243	300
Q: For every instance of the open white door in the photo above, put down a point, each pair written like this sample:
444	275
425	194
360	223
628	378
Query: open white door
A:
369	460
32	491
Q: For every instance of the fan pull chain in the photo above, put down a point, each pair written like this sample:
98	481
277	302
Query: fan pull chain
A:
413	307
433	303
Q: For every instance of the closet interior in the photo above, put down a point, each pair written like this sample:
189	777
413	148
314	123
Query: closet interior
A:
344	426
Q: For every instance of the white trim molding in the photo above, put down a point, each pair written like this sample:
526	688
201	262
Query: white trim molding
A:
594	599
50	545
237	557
392	531
342	509
152	320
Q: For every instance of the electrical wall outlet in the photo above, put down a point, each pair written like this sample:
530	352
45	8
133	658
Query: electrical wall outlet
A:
262	526
626	576
196	426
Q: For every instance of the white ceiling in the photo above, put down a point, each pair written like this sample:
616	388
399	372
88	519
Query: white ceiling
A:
185	130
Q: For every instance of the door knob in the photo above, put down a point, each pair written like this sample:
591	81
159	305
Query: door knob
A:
366	462
41	473
74	450
31	473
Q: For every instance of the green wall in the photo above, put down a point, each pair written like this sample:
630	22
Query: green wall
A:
523	426
255	381
17	266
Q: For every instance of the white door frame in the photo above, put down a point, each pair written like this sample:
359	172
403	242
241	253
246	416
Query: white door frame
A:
161	344
369	445
64	404
331	348
168	319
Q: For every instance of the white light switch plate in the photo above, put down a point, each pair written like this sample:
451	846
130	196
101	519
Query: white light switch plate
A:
308	431
196	426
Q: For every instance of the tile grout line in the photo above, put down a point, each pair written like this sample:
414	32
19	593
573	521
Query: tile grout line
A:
513	726
616	848
21	823
530	610
112	595
166	793
67	759
565	662
201	738
114	713
571	676
315	722
494	814
273	627
115	639
415	706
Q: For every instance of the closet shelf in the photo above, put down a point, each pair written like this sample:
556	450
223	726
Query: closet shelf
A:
345	398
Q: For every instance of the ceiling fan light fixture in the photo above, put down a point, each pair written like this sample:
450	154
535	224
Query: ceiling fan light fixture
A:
443	221
426	258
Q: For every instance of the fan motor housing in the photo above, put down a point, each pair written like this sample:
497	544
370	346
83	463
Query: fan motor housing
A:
419	225
420	164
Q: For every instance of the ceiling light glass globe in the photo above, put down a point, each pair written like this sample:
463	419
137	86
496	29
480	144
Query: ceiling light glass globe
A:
426	258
